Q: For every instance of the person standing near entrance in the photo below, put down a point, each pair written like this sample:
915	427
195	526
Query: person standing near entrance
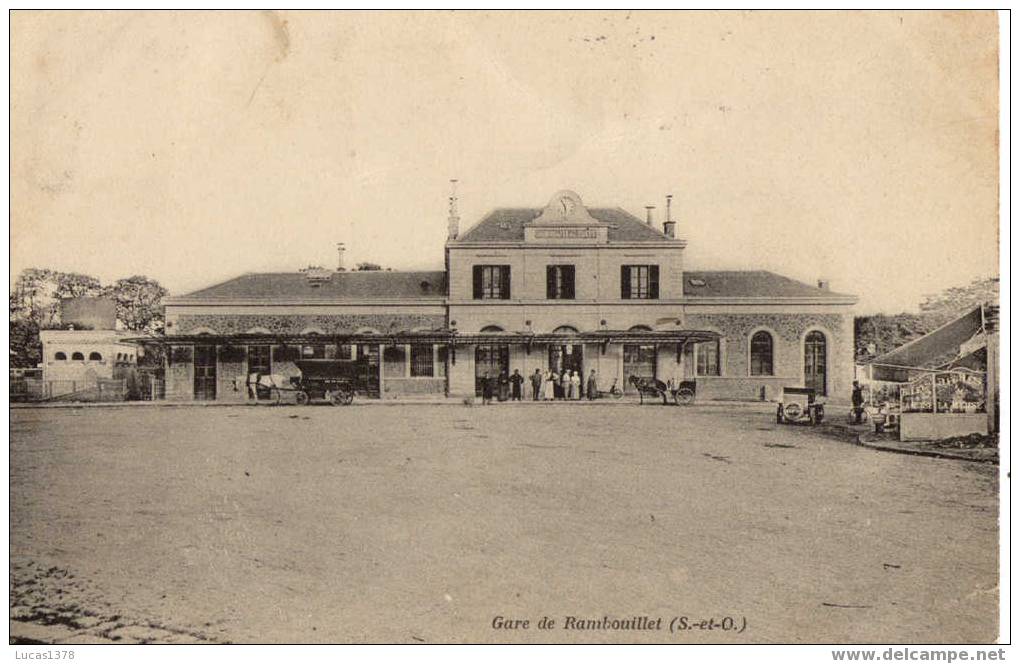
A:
593	386
550	385
857	399
564	384
575	386
536	385
486	389
504	387
516	383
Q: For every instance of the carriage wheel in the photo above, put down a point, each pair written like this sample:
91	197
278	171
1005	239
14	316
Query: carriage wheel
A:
616	393
684	396
301	398
341	398
348	397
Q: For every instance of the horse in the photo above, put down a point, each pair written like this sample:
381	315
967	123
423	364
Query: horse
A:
650	386
250	384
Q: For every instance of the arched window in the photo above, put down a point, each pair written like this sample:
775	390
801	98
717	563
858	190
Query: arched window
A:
60	356
77	356
639	328
761	354
565	329
815	362
491	328
95	357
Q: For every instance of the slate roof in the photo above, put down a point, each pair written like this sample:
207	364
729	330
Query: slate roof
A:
374	285
507	225
386	285
749	283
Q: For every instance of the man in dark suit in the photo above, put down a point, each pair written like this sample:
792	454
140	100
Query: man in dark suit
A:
516	383
536	385
486	389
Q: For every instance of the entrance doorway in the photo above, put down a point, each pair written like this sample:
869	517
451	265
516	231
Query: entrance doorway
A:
639	361
493	359
814	362
367	370
205	373
567	357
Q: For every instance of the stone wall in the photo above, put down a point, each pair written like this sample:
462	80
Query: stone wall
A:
788	331
296	324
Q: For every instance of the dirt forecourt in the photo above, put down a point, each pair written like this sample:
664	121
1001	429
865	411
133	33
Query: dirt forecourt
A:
461	524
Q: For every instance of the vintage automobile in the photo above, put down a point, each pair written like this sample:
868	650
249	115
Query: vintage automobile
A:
799	404
323	379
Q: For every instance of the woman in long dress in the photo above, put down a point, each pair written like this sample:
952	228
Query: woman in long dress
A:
550	385
575	386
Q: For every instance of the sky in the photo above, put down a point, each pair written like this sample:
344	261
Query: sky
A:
859	147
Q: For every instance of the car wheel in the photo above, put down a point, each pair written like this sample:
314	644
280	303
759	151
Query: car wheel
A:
301	398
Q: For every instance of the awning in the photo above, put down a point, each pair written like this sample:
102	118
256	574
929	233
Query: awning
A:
676	336
932	350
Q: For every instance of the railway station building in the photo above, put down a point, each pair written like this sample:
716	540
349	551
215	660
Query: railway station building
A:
561	286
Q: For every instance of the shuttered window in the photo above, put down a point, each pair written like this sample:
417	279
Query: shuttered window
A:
639	282
559	282
422	364
491	282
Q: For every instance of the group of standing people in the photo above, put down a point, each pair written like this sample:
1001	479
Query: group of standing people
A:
549	385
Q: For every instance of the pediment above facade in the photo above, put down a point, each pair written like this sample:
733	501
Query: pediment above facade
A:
566	219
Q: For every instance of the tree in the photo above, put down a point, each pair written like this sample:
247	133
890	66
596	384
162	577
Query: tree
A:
33	297
946	305
72	284
25	347
881	333
139	303
368	267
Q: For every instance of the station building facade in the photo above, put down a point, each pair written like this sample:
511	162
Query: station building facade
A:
561	286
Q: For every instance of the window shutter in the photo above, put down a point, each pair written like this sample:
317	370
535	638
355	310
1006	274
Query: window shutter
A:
568	282
550	282
625	282
477	282
653	282
504	273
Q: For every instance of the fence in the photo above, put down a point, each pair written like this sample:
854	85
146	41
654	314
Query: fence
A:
34	389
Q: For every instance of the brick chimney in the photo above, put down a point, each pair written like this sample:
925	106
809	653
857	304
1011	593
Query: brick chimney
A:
340	249
669	226
453	222
648	214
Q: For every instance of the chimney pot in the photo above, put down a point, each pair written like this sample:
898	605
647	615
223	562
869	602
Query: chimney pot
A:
453	221
340	249
823	284
669	226
648	210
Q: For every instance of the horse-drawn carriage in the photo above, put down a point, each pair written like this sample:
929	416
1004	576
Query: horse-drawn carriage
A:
681	393
329	380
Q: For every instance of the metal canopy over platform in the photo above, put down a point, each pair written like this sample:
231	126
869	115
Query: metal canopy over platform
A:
452	338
